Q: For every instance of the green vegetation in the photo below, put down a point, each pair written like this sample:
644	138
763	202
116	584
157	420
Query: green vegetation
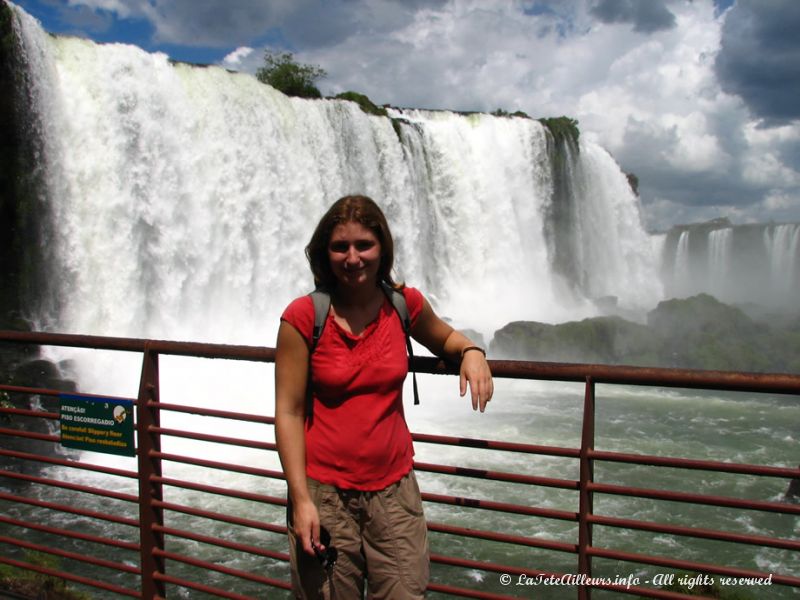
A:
282	72
30	584
365	103
693	333
504	113
633	181
562	128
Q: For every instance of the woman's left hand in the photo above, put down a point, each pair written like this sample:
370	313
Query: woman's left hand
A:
475	372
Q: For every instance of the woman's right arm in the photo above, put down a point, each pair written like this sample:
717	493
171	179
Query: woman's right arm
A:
291	374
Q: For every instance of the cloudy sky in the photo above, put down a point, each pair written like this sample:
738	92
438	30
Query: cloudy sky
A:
700	99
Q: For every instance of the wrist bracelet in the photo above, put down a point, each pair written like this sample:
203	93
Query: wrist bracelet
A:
468	348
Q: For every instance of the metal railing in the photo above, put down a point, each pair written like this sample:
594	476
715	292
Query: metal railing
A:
147	554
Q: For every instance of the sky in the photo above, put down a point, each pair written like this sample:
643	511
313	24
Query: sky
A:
699	99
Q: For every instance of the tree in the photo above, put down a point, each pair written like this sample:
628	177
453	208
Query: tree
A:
282	72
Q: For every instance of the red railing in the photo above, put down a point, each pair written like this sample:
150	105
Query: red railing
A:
153	534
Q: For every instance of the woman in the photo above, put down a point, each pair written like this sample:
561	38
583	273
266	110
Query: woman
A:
348	456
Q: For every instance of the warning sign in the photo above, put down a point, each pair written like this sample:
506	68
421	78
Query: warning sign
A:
97	424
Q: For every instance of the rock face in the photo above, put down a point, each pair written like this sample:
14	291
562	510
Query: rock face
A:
694	333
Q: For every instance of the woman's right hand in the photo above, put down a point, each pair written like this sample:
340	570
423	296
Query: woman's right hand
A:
305	521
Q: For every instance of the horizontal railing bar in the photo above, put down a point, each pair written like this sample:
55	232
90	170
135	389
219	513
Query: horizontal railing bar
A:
710	534
503	537
63	462
211	489
83	558
70	510
193	585
222	569
70	534
774	383
31	435
75	487
688	463
497	476
691	566
207	514
644	592
492	567
496	445
27	412
215	541
465	593
70	577
207	437
53	392
501	507
212	412
19	389
213	464
619	490
778	383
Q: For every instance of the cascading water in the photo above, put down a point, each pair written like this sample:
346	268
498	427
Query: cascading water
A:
781	242
736	263
182	197
720	242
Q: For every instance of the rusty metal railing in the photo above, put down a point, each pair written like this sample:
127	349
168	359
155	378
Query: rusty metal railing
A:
149	550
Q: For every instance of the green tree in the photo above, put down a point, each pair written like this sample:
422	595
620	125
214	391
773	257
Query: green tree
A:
282	72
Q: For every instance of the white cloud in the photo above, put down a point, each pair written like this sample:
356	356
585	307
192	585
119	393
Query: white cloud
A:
235	58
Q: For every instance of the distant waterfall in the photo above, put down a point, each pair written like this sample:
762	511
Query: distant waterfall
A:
181	198
736	263
781	242
720	244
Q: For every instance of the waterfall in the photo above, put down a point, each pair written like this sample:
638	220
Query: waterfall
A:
181	198
681	276
747	264
781	242
720	243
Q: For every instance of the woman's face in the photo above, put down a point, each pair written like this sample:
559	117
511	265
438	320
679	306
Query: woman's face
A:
355	254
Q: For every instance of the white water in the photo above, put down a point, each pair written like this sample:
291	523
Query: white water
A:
755	264
719	256
781	242
182	199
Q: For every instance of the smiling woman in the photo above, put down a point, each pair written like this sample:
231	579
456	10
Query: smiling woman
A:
340	426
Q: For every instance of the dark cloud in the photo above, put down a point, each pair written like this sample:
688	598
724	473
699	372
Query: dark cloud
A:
759	59
646	16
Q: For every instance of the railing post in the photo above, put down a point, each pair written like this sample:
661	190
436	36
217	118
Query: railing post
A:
585	506
149	467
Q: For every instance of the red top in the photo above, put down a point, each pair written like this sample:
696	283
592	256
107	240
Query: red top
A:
357	437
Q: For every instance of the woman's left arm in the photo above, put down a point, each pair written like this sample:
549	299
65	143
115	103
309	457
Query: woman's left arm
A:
441	339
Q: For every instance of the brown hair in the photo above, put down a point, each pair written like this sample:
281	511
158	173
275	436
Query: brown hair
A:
358	209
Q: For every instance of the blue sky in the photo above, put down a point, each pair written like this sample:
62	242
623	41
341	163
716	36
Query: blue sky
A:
698	99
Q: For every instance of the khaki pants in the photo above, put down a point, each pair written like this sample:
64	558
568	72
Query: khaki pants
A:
379	536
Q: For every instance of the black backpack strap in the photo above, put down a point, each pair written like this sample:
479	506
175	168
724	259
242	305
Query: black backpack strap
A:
401	308
322	306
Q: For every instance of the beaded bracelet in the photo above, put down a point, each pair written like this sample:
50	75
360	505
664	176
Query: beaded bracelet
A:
468	348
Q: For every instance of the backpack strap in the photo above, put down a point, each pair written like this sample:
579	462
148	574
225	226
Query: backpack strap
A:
401	308
322	305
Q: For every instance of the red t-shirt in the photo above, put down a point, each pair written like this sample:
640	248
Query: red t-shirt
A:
357	437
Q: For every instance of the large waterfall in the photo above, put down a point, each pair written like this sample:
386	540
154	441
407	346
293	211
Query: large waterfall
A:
181	198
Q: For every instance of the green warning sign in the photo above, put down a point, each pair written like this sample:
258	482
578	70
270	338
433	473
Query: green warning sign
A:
97	424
